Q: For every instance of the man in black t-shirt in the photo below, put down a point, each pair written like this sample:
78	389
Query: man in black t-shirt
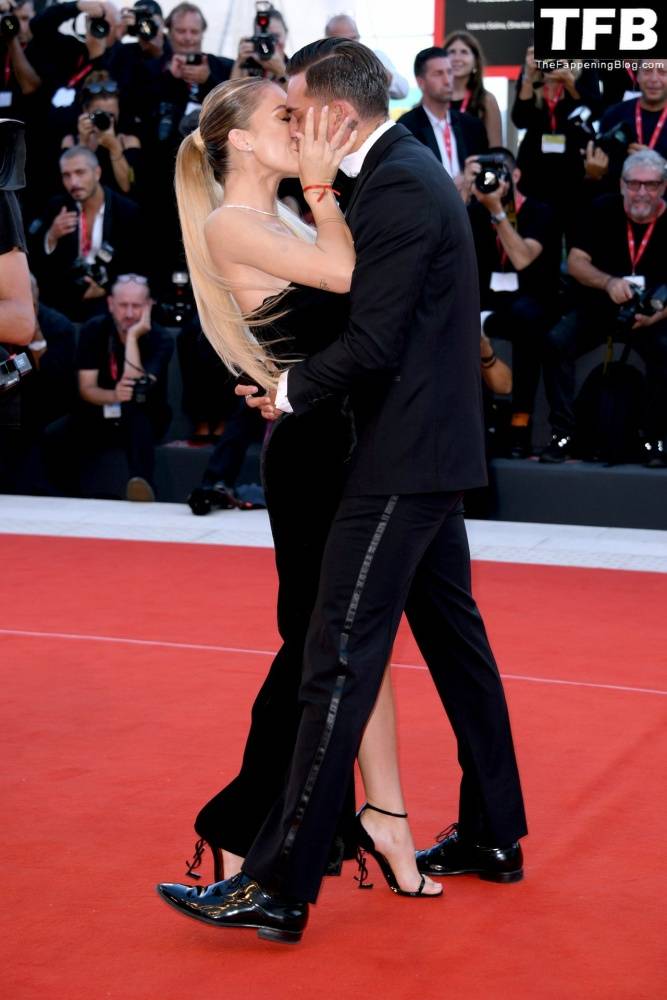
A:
647	117
122	362
622	247
518	255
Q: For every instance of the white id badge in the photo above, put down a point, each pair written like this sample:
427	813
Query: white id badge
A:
638	281
553	143
112	411
504	281
192	106
64	97
5	98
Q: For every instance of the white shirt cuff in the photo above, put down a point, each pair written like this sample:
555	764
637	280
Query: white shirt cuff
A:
282	402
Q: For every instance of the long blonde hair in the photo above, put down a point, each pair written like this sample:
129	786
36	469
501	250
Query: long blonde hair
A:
201	167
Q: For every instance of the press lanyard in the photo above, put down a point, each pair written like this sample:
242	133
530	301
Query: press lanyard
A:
447	136
551	103
8	69
657	131
636	257
85	237
80	75
113	362
466	101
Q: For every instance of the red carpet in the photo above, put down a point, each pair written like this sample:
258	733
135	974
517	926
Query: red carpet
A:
109	748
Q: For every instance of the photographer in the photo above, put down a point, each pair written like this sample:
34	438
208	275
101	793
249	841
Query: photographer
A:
518	255
344	26
192	73
621	249
138	65
85	238
261	55
645	120
122	360
452	136
21	79
549	157
66	60
118	153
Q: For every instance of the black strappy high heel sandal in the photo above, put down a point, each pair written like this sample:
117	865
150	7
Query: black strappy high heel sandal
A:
366	846
199	851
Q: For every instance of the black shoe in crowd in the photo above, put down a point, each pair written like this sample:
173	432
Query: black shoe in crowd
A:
453	856
558	450
204	499
239	902
655	454
520	442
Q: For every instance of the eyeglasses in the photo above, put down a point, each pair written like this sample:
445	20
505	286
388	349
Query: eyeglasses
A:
635	186
110	87
126	279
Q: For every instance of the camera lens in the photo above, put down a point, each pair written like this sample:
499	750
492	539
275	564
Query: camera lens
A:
102	120
99	27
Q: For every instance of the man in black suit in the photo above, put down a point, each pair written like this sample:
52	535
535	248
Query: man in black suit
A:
452	135
409	361
86	237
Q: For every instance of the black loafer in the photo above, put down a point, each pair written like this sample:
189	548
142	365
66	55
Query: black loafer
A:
239	902
453	856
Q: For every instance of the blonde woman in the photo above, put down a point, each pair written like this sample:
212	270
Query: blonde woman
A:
270	290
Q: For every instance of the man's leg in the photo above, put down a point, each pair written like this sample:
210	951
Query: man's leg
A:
373	550
450	633
577	332
302	500
651	345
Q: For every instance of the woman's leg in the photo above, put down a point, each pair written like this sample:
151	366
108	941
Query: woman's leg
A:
378	763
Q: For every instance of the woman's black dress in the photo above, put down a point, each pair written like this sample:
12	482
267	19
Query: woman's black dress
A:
303	466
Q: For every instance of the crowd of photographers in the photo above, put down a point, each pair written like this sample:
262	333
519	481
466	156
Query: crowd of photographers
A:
570	229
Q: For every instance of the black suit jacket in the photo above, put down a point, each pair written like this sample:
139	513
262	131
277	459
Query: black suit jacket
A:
469	132
409	358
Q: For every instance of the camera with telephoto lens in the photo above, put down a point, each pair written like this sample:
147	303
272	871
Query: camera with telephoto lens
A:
96	269
644	302
9	25
141	388
493	173
13	367
262	40
102	120
145	26
178	306
580	127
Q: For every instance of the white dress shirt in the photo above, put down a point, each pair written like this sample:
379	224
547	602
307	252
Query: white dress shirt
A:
440	125
351	166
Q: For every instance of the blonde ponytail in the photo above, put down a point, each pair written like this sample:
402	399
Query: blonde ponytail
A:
198	193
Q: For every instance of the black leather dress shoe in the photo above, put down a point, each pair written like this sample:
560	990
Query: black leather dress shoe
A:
558	450
453	856
239	902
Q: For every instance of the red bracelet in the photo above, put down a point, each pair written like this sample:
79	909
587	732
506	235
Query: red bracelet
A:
321	188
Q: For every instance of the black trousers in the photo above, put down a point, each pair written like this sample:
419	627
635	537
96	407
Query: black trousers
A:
523	320
583	329
303	472
71	441
384	555
244	427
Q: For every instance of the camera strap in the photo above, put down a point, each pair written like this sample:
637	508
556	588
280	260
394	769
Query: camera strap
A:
634	254
657	131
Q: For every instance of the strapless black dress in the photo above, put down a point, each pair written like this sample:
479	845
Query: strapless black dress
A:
303	470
